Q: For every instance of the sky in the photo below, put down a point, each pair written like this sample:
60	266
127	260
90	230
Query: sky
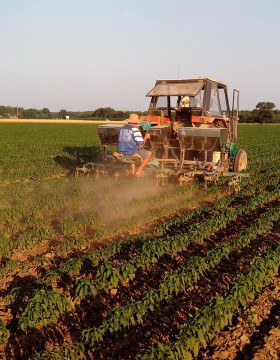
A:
80	55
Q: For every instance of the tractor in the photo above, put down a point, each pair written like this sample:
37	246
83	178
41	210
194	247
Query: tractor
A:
193	133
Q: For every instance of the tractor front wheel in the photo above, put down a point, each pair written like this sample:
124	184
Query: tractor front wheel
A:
240	161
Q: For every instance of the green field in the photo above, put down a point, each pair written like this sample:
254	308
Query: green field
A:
105	269
39	150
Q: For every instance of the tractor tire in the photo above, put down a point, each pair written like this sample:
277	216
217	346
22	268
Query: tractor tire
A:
240	161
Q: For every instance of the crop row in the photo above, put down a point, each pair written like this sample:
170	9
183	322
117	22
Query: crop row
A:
28	238
108	277
24	230
73	265
196	267
34	225
84	287
157	249
210	320
30	215
133	313
152	251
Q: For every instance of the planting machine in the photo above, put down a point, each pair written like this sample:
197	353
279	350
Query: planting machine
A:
193	134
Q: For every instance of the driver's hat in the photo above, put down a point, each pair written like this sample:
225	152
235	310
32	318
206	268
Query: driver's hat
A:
133	119
185	99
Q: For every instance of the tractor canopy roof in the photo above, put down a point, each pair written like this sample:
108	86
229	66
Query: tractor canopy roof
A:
181	87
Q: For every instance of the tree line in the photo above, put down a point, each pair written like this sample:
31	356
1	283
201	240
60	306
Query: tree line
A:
264	112
9	112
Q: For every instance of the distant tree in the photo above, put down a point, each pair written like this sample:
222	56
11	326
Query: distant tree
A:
62	114
104	113
29	114
277	116
245	116
46	111
5	111
45	114
121	114
264	112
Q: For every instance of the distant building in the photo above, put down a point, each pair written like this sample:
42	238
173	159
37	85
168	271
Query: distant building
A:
67	117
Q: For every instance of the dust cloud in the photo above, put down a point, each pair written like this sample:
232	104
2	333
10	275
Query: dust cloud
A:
115	201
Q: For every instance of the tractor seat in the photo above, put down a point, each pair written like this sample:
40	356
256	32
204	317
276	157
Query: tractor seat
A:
131	159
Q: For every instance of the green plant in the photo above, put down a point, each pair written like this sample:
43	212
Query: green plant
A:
43	309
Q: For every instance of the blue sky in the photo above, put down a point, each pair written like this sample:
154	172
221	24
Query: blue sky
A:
80	55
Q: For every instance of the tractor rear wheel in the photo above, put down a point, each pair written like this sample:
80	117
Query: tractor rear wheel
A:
240	161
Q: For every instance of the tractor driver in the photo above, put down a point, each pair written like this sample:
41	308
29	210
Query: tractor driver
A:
131	142
185	102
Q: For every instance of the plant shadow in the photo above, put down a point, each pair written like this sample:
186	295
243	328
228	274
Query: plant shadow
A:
78	156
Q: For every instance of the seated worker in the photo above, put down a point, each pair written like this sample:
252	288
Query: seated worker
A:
185	102
130	142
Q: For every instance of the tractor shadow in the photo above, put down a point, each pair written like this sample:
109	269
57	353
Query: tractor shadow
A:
78	156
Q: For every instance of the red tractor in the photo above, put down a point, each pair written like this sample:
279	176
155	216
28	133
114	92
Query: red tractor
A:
193	131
